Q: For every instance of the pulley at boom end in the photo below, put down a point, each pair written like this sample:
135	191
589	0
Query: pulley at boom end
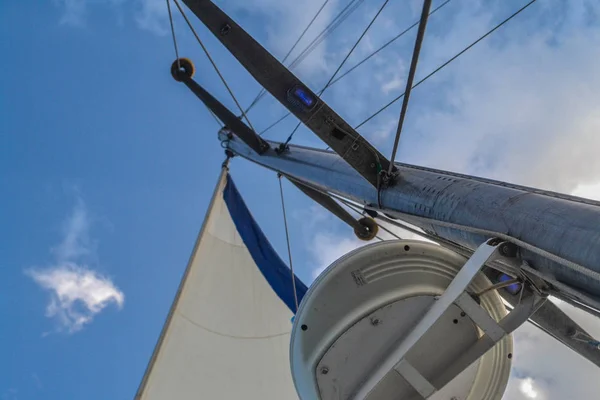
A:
369	229
182	68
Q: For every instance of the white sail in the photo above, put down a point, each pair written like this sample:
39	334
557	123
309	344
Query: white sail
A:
228	332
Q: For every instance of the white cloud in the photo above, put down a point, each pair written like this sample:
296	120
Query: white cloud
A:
76	241
394	84
332	238
77	293
383	131
328	247
588	191
550	369
392	76
523	109
75	11
152	15
284	21
527	388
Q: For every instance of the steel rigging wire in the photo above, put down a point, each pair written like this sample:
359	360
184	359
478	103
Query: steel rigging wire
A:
177	53
448	62
335	23
237	103
287	238
373	54
340	66
328	30
263	91
438	69
409	80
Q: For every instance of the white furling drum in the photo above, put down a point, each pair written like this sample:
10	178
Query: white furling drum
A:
366	302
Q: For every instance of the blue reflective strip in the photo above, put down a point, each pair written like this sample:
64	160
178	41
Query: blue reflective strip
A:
275	271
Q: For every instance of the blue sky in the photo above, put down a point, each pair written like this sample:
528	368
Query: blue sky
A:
107	164
91	116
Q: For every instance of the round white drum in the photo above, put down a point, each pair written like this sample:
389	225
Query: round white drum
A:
367	301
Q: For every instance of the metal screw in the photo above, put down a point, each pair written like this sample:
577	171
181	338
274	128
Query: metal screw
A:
324	370
375	321
225	29
372	165
508	250
462	314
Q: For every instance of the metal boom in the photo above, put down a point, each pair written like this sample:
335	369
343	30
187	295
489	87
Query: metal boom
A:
555	236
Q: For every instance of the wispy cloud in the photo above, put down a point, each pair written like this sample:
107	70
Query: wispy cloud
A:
382	131
37	381
75	12
10	394
282	22
76	241
152	15
77	293
392	77
328	247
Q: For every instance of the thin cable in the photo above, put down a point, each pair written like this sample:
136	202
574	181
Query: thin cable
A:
362	35
411	77
448	62
218	121
334	24
274	123
177	54
362	61
497	286
213	64
389	231
262	91
287	238
173	34
392	40
328	30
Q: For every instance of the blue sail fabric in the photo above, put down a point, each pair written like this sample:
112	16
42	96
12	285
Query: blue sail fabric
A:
272	267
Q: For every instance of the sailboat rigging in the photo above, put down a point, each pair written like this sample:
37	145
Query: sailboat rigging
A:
394	319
